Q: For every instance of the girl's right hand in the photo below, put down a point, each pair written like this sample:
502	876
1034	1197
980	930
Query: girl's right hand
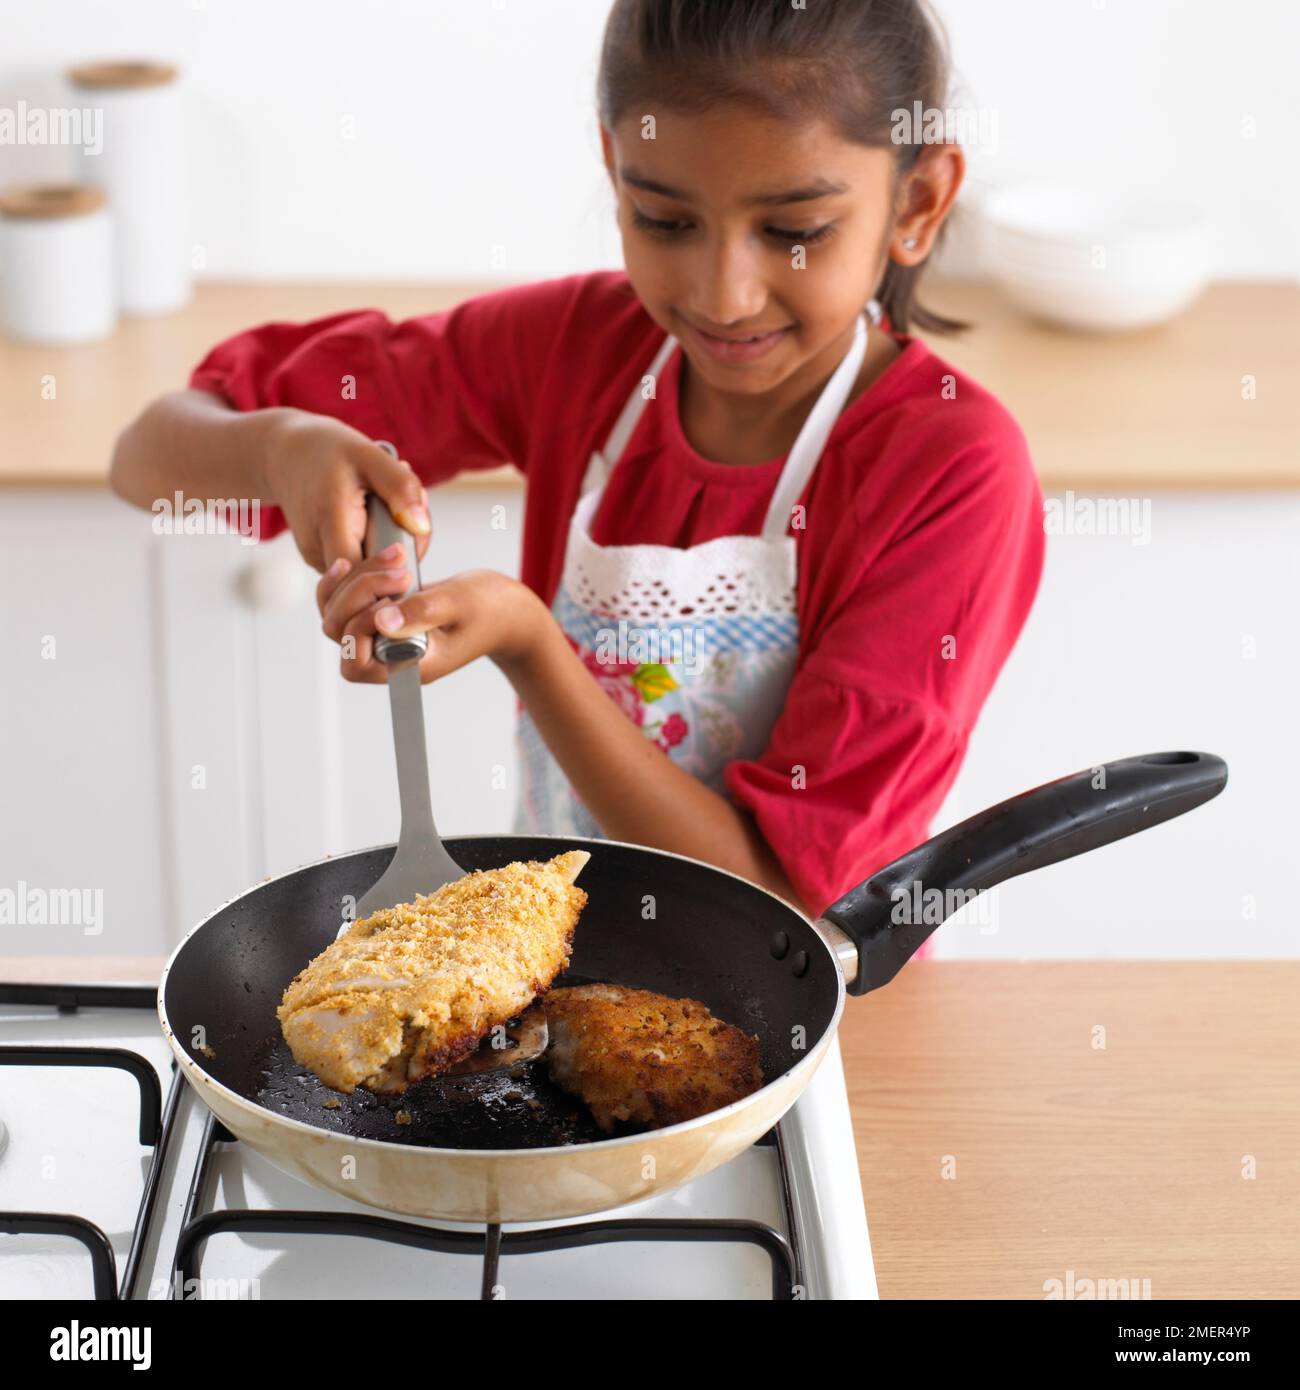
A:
318	470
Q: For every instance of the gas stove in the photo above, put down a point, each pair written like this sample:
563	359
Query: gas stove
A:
117	1182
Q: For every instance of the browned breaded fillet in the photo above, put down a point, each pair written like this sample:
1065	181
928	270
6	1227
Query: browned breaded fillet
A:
636	1056
411	990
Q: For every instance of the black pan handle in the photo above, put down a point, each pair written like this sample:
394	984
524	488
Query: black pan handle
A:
1053	822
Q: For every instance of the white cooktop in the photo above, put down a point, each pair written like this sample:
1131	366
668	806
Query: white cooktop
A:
73	1147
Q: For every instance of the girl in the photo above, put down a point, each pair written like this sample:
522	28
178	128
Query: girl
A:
776	551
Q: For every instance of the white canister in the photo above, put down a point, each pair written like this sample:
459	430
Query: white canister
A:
56	264
141	165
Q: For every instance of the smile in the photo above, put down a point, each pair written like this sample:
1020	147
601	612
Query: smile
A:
738	349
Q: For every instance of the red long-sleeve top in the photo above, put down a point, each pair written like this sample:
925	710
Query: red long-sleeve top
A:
918	563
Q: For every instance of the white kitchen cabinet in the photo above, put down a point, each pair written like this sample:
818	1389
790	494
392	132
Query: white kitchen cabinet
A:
338	756
1186	642
191	734
84	805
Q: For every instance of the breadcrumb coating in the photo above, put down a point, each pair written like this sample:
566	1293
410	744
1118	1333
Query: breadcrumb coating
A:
637	1057
409	991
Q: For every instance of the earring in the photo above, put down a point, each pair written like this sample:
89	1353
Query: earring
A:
909	244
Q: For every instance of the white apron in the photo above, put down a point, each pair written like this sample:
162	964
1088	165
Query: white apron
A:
697	644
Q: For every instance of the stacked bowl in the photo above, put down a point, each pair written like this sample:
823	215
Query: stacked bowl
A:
1100	263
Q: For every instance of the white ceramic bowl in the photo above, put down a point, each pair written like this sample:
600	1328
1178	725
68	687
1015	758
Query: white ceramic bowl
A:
1095	263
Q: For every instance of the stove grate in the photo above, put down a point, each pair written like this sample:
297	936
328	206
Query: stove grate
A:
198	1227
158	1128
154	1126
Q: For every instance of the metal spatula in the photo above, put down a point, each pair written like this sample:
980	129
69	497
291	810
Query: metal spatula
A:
421	863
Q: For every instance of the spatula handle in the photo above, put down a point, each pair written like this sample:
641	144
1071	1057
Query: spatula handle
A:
381	532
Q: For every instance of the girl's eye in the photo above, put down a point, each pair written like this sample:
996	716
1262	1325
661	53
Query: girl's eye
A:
808	238
668	230
655	227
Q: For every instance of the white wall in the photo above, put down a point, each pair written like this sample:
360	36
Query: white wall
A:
474	152
1151	96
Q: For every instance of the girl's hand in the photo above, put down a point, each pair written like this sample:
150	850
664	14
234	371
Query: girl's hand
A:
317	470
477	613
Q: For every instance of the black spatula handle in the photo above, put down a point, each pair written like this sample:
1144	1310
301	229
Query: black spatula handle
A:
1053	822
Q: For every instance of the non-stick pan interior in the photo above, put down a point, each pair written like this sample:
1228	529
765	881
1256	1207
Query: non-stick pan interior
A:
652	921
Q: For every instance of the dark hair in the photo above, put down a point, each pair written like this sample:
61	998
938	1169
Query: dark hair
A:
853	63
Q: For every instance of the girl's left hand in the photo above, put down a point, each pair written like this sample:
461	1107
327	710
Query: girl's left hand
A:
476	613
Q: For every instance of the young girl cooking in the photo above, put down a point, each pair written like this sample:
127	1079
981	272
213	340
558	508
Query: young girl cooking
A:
775	550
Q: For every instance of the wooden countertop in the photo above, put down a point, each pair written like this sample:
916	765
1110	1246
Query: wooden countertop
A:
1122	1162
1161	408
1117	1162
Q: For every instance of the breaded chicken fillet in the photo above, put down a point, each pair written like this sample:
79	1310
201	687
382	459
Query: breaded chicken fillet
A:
632	1055
410	990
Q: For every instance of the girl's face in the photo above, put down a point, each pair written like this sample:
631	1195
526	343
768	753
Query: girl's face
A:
712	211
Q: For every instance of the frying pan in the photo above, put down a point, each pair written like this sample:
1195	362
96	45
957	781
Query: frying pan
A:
503	1147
